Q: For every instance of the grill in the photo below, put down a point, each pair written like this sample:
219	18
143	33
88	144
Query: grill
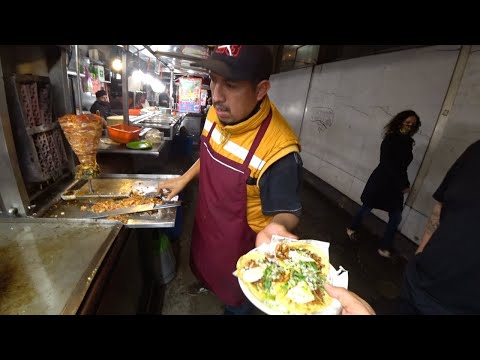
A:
38	137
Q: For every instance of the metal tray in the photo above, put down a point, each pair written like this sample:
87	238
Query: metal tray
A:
47	265
115	184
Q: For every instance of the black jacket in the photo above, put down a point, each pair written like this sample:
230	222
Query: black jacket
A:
104	108
384	187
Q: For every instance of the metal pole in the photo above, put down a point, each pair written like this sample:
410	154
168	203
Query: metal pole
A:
79	82
441	124
171	101
125	85
306	100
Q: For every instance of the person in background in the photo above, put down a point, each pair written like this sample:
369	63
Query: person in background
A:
142	101
388	183
164	99
101	105
250	172
443	276
116	104
208	104
205	112
131	101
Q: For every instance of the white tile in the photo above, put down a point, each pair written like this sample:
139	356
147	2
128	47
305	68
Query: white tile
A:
414	226
356	190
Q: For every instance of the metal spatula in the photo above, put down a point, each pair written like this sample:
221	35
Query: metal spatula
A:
133	209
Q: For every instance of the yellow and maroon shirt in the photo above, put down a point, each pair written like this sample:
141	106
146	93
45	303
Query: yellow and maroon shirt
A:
234	141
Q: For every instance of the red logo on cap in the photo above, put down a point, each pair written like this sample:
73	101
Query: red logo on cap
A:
230	50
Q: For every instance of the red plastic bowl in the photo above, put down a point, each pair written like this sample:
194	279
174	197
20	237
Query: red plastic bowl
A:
134	111
122	133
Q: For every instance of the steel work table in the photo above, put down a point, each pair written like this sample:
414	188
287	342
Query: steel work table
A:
122	149
47	265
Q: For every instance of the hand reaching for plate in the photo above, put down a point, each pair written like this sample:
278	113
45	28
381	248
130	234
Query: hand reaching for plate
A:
352	304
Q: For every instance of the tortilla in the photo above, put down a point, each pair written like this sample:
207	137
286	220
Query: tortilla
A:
290	279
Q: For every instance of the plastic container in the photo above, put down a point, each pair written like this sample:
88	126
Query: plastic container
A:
124	134
183	144
164	262
175	232
154	136
134	111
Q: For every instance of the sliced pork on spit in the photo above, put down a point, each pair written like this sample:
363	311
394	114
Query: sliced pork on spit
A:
83	132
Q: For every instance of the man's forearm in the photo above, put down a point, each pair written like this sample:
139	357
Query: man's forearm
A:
288	220
192	172
281	225
432	225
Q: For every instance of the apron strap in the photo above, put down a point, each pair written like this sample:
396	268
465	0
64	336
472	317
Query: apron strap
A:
256	142
210	132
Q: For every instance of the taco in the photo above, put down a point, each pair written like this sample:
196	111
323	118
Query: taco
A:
290	279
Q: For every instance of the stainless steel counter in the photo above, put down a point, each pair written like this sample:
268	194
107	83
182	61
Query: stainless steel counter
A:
47	265
122	184
104	147
168	124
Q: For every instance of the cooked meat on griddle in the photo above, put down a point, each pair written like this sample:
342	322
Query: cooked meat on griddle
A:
113	204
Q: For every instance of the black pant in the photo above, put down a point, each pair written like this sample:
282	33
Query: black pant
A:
413	299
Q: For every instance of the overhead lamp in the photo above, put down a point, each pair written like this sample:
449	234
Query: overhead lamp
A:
117	64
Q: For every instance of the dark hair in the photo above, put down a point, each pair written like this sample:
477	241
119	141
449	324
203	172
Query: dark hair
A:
394	125
100	93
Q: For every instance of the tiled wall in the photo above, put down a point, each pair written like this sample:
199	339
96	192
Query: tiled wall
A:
350	101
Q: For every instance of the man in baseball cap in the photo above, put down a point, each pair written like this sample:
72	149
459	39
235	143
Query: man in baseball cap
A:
250	171
240	62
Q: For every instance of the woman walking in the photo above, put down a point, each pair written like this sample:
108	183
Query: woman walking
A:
389	181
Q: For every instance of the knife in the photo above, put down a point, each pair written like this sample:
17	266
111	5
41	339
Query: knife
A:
133	209
72	195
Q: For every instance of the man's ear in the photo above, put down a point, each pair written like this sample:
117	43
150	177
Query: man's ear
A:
262	89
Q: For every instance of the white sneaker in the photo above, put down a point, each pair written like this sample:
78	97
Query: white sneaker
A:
384	253
196	289
352	234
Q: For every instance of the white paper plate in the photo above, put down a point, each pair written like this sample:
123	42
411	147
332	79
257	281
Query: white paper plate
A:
336	277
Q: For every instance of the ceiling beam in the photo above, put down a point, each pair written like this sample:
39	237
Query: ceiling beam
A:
154	54
176	56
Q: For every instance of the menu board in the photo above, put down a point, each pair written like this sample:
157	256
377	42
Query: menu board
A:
189	96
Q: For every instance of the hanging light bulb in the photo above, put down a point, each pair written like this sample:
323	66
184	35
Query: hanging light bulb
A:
117	64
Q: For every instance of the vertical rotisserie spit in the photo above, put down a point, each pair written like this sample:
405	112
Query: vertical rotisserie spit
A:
83	132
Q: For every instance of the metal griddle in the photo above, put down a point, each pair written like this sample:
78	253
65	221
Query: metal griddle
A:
114	185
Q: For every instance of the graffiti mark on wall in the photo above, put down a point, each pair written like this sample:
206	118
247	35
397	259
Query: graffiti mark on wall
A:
323	117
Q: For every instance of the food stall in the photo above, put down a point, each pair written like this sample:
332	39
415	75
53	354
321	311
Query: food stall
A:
57	257
161	119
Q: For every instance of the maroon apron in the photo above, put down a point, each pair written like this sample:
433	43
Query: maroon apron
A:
221	233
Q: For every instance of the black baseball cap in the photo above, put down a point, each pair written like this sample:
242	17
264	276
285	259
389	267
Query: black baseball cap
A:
240	62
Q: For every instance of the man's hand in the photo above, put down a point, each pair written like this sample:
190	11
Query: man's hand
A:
352	304
174	185
265	236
